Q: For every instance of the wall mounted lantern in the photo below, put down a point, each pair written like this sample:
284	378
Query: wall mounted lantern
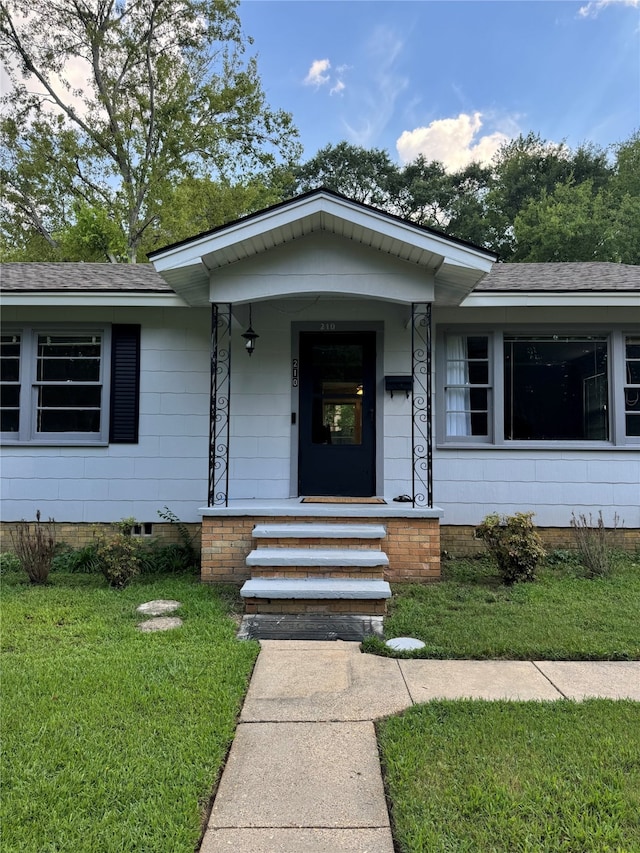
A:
250	336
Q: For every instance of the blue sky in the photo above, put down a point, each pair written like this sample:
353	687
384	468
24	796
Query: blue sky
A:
452	79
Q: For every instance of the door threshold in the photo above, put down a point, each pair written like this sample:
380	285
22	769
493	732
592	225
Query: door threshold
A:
340	499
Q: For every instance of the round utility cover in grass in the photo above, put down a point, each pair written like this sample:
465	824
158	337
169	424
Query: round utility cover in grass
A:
158	607
161	623
404	644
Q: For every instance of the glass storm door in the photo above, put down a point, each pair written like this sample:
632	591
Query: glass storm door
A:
337	414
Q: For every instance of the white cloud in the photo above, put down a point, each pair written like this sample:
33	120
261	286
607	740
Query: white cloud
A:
337	88
594	7
378	95
452	141
317	75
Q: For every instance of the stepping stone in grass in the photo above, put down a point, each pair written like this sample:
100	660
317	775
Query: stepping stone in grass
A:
161	623
158	607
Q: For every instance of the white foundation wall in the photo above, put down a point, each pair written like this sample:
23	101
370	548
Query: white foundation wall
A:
168	467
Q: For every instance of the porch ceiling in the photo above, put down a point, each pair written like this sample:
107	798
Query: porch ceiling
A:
456	266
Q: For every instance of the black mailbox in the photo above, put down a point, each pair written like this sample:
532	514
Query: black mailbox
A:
398	383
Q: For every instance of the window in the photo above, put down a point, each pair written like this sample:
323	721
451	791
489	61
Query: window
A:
68	384
632	386
506	386
10	381
467	386
63	385
555	388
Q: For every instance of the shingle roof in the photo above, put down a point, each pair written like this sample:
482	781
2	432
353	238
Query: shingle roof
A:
561	277
503	278
93	278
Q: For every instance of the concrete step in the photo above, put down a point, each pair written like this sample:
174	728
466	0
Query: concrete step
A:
319	531
316	557
347	589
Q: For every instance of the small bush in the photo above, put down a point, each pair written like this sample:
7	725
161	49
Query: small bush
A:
120	556
594	544
514	543
188	551
9	562
76	560
167	559
35	546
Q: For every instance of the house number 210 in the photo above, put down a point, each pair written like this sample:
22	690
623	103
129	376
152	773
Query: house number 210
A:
327	327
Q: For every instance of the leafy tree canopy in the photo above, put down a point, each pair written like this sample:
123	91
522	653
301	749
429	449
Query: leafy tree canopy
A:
166	94
537	200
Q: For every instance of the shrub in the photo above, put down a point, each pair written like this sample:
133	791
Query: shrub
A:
9	562
593	543
35	546
120	556
189	553
76	560
167	559
514	543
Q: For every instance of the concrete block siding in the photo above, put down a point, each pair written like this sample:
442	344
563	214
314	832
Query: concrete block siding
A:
168	467
469	484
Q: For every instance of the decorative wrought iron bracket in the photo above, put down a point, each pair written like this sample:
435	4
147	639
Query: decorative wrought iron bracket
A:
220	404
421	429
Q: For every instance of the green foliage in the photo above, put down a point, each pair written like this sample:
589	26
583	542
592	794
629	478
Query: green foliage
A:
35	546
83	560
174	558
9	562
120	556
168	94
594	543
537	200
514	543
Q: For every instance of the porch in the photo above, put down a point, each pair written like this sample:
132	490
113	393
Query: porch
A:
318	567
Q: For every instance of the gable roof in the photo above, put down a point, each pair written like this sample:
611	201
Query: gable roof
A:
453	266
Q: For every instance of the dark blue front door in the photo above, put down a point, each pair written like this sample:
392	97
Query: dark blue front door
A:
337	414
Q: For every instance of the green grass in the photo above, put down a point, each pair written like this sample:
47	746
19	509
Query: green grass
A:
560	616
511	777
113	740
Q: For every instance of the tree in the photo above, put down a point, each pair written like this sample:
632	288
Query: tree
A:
527	167
360	174
169	95
589	220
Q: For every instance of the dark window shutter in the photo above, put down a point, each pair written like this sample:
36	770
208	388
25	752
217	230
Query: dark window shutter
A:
125	384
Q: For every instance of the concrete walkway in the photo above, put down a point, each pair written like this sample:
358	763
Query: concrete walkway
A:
303	774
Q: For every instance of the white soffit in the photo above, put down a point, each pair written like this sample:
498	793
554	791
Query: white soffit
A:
457	267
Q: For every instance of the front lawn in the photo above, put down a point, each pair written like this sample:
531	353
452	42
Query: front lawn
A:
514	777
560	616
113	740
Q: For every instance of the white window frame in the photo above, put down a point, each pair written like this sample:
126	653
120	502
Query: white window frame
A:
616	379
27	432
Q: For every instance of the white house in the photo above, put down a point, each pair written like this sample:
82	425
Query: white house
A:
400	386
